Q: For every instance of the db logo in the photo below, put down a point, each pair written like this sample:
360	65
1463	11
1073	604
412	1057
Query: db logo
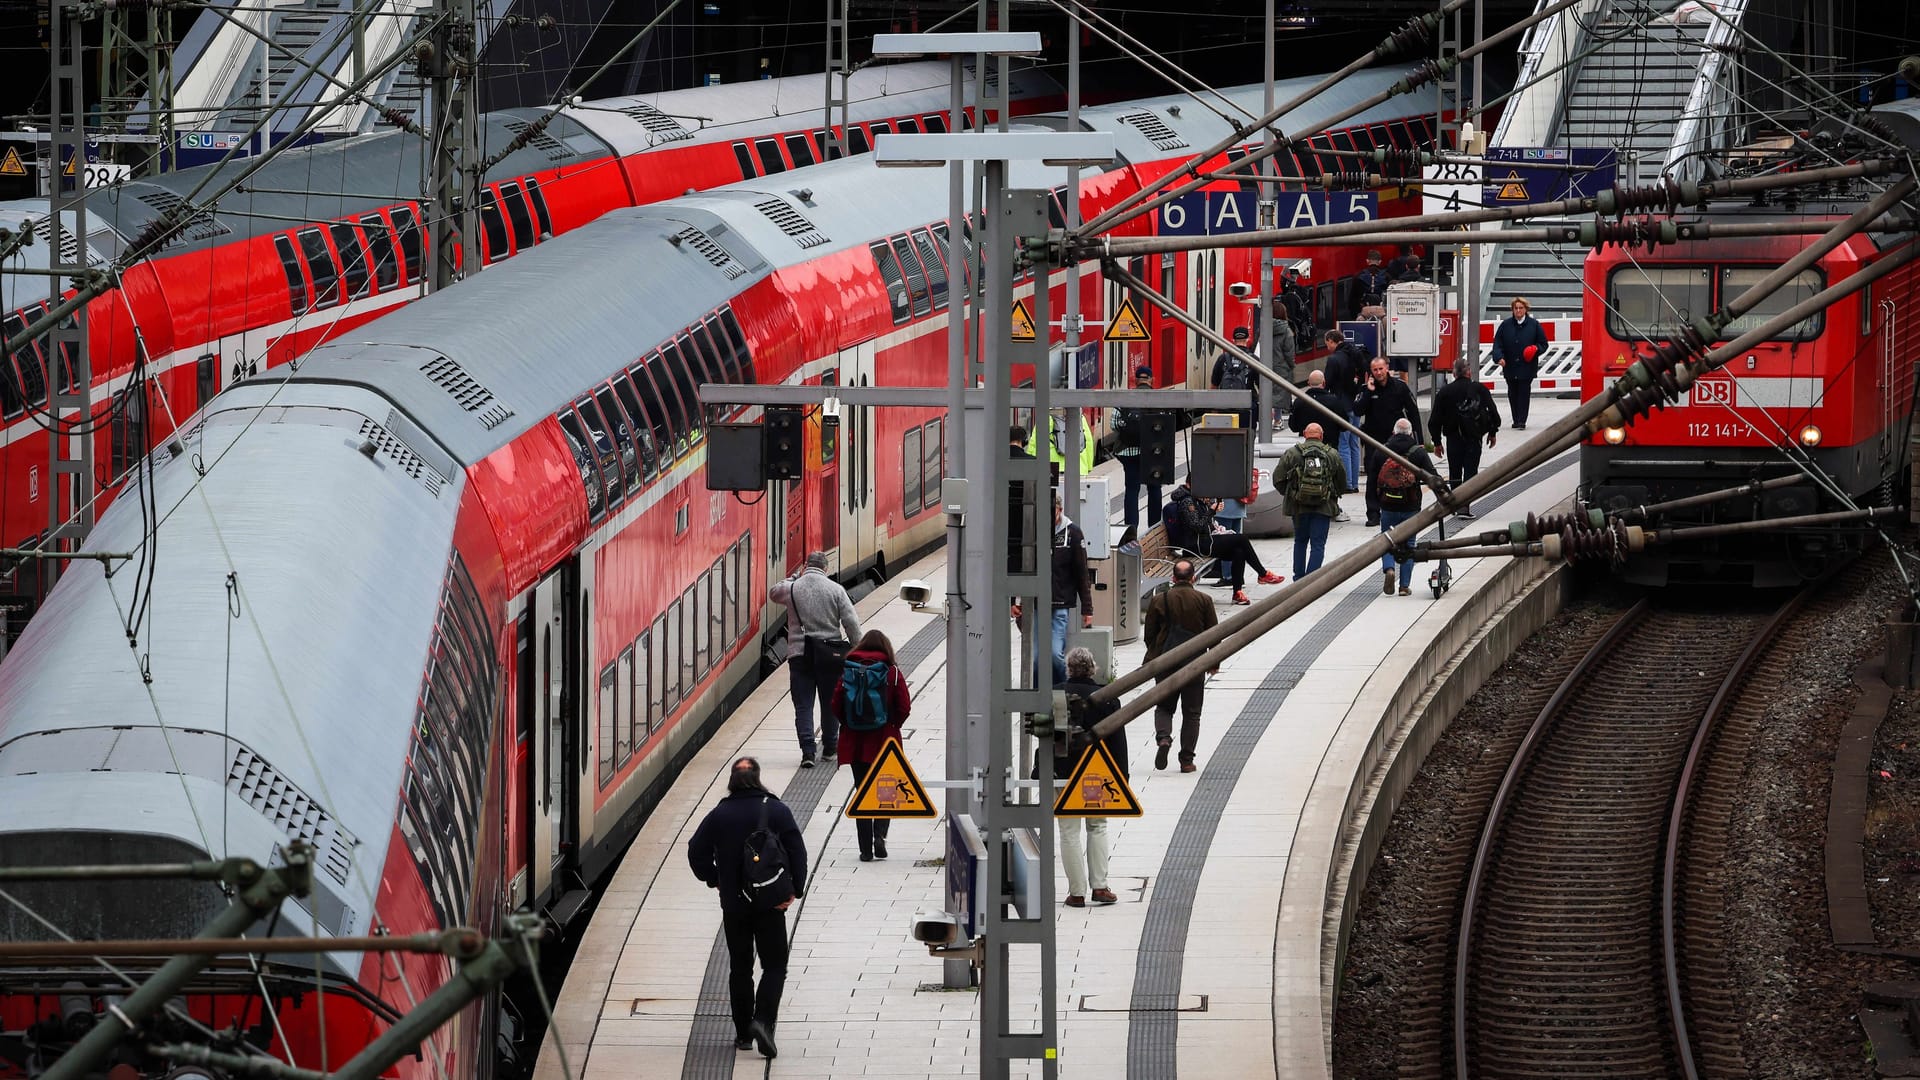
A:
1713	392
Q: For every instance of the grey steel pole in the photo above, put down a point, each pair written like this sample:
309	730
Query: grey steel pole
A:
1268	197
1070	315
257	897
956	974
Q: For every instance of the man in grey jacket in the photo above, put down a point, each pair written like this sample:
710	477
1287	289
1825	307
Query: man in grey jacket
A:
818	612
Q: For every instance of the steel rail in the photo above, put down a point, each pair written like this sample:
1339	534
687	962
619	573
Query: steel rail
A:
1483	851
1682	795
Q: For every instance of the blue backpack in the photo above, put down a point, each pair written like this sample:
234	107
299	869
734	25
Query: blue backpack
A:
864	686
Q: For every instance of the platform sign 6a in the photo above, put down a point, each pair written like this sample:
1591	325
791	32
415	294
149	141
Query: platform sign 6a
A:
1224	213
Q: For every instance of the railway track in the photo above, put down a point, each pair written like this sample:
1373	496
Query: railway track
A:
1587	943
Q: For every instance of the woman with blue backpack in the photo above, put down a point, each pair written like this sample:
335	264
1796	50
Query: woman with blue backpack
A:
871	701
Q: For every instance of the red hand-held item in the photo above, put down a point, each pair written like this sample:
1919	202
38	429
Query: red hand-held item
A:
1530	351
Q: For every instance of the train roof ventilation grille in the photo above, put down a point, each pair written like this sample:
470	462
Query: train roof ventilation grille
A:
711	249
792	222
1155	129
69	243
542	141
657	123
466	391
386	442
201	226
292	809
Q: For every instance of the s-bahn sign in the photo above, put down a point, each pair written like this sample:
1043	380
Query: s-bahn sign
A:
1223	213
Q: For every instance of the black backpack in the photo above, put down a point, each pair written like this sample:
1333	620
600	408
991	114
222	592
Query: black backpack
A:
1126	427
765	880
1472	415
1236	375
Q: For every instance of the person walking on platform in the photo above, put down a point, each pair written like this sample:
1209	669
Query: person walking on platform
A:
1399	489
1285	349
1370	284
1017	436
1517	345
1072	582
1230	372
1310	476
752	828
1084	854
1175	616
819	613
1057	442
1381	406
1195	531
1320	410
1463	414
1128	426
871	701
1346	377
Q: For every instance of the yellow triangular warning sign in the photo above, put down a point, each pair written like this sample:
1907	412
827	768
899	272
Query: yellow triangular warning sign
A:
1126	324
10	165
70	162
890	789
1097	789
1022	321
1512	188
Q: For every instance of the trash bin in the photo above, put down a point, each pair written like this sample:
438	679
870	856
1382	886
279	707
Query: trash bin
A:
1116	592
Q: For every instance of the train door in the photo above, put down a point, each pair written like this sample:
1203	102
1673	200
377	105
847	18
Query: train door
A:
823	496
549	692
1889	312
855	498
1206	294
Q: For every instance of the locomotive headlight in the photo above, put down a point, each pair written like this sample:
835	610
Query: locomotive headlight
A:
1810	436
1615	436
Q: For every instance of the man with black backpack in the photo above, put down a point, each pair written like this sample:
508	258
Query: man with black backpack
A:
1346	377
1309	474
1128	424
1230	372
1463	414
749	847
1399	494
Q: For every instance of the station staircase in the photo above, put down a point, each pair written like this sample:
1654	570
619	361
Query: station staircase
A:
1632	94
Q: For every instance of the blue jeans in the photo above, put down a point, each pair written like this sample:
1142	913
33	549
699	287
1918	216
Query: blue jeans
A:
1350	457
1130	512
806	684
1390	519
1309	542
1060	617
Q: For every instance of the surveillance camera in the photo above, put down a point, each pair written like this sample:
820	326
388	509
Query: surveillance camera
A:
936	928
1239	290
916	592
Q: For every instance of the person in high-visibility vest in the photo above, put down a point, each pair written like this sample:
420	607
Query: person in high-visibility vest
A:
1057	437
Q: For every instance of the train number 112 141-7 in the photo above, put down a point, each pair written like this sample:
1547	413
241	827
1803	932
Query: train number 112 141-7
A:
1715	431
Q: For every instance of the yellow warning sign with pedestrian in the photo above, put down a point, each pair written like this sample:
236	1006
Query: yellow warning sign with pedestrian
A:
1512	188
1022	321
891	790
1096	788
1126	324
11	165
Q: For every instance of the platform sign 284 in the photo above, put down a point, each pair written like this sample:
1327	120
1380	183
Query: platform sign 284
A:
1221	213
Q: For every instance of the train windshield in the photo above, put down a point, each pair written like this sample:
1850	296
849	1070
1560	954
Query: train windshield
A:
1656	301
1735	280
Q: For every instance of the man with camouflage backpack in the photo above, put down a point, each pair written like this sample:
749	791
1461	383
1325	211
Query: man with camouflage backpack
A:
1463	414
1311	478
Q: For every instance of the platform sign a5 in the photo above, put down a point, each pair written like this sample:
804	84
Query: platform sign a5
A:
1224	213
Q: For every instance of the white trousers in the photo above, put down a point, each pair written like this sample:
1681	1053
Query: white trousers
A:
1084	853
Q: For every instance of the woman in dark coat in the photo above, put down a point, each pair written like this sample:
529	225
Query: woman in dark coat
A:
861	748
1517	345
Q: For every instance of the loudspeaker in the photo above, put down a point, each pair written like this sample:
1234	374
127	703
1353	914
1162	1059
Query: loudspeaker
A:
1157	429
786	443
736	457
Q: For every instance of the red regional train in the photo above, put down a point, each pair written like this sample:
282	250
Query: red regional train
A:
1834	395
327	238
449	599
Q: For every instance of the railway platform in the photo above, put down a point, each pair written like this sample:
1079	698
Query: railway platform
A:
1219	959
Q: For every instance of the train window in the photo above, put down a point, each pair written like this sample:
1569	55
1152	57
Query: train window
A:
702	361
769	152
386	270
679	370
895	283
717	608
933	449
1735	280
908	126
916	277
353	258
825	139
1308	161
609	704
641	425
881	128
703	623
125	443
670	662
1325	304
689	605
910	472
730	323
582	461
33	375
936	270
411	241
623	740
936	124
539	202
1234	154
517	216
10	402
639	662
678	410
622	436
601	430
206	379
945	236
296	278
799	151
657	674
495	230
1339	140
745	158
857	140
719	348
1656	301
321	268
655	406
